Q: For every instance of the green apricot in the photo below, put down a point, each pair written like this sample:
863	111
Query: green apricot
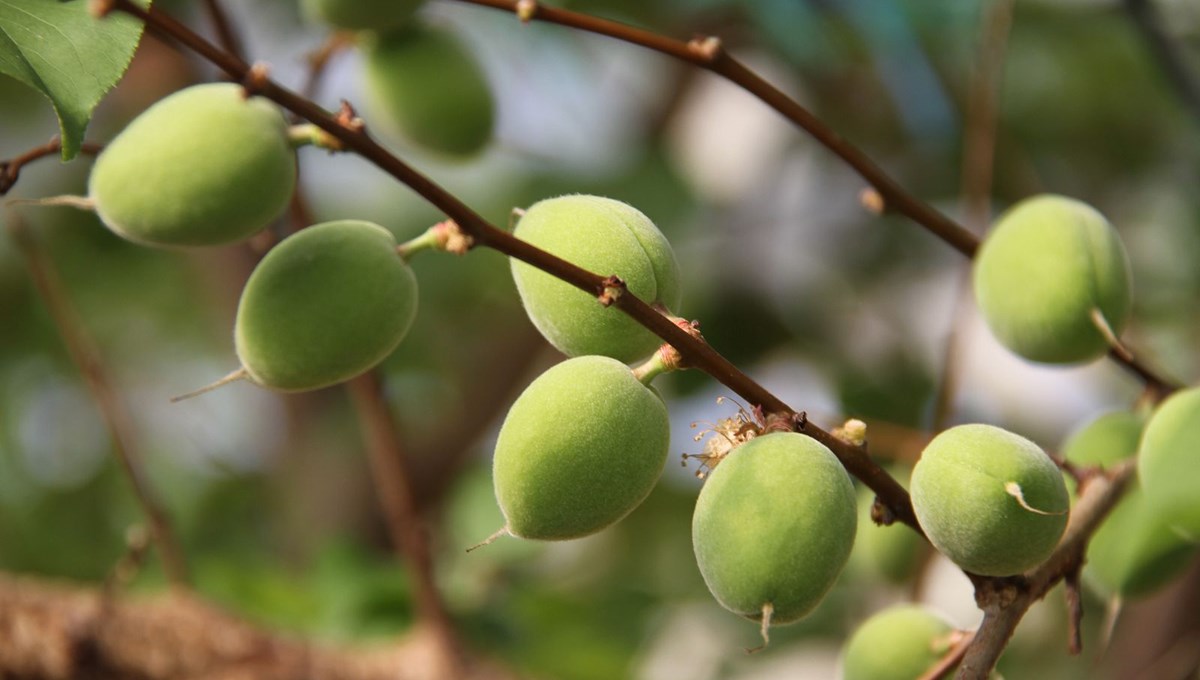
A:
361	15
204	166
892	552
1048	262
1169	462
990	500
1134	552
581	448
607	237
773	527
898	643
426	86
326	304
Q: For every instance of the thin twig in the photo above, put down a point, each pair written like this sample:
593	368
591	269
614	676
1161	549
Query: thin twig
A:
227	35
392	483
86	357
1006	605
318	60
978	167
1170	58
708	54
10	170
696	352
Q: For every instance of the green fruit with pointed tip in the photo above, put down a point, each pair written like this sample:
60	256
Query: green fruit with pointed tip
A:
1134	552
607	237
581	448
203	166
325	305
990	500
774	525
427	87
361	15
1046	265
899	643
1169	462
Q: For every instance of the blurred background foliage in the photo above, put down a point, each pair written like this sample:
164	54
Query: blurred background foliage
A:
839	312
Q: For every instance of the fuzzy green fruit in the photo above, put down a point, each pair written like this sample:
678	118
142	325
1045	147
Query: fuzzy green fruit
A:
773	527
325	304
1046	265
581	448
204	166
606	237
1134	552
1169	462
428	88
899	643
361	15
890	552
990	500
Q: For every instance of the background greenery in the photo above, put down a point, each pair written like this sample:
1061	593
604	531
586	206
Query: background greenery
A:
839	312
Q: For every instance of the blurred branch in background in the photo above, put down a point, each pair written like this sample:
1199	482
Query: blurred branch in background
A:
1171	59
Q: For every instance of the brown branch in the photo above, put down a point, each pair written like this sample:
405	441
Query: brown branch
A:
1005	601
227	36
708	54
53	631
318	60
697	353
1170	57
10	170
393	486
86	357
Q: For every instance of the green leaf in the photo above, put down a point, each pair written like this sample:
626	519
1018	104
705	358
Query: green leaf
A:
71	57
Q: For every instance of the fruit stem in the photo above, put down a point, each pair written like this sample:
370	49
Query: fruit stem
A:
307	134
768	610
69	201
503	531
1110	336
1014	489
654	366
239	374
445	235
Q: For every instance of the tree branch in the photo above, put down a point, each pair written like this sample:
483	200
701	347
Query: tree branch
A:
697	353
1005	601
10	170
85	356
52	631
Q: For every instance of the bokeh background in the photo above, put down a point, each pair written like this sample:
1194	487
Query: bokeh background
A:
840	312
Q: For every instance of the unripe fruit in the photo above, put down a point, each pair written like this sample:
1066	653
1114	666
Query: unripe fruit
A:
204	166
892	552
581	448
326	304
1134	551
361	15
1169	462
990	500
1047	264
773	527
429	88
607	237
899	643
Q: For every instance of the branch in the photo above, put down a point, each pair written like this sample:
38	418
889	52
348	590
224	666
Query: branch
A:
697	353
1170	58
10	170
86	357
394	487
226	35
708	54
1005	602
53	631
